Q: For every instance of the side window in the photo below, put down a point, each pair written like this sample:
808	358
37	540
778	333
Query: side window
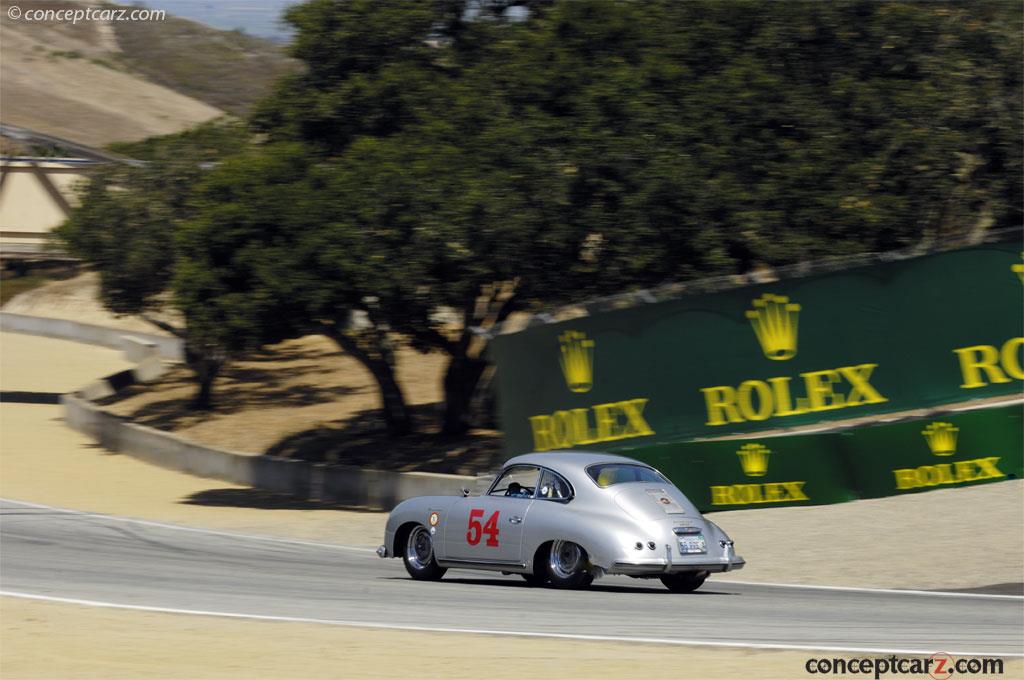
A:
553	487
516	482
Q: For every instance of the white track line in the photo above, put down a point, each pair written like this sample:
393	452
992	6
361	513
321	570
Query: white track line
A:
511	633
178	527
369	551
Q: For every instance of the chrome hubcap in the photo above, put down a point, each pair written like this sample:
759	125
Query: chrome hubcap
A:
419	549
566	559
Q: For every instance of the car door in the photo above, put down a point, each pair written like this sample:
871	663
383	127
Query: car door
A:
489	528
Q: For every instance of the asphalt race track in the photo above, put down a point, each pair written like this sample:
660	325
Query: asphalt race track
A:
47	552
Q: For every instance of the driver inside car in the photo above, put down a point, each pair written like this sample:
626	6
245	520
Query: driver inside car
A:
516	490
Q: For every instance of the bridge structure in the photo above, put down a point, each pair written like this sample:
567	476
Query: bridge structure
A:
38	192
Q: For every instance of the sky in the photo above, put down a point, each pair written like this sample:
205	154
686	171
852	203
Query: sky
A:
256	17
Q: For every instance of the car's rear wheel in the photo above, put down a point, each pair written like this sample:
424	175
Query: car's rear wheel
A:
686	582
567	566
419	556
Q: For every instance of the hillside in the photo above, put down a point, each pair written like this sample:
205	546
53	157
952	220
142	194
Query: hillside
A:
98	83
226	69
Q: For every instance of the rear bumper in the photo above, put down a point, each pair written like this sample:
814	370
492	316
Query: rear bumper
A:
659	567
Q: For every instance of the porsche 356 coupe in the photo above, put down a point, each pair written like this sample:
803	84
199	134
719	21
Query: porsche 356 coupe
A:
563	519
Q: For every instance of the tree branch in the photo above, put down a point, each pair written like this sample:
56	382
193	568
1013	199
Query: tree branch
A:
345	342
163	325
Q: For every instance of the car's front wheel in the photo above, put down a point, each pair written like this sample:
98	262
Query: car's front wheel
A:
686	582
567	566
419	555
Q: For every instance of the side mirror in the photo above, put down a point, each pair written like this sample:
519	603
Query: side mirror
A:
465	491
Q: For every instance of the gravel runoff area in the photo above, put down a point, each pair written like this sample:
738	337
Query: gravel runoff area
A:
880	543
43	641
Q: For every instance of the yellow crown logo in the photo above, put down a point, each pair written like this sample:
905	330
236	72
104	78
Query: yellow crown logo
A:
754	459
1019	268
941	438
577	360
774	319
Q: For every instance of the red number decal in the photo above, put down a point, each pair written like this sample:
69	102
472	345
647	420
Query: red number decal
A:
475	530
491	529
473	534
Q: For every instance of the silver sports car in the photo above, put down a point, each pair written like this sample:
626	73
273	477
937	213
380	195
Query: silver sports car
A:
563	518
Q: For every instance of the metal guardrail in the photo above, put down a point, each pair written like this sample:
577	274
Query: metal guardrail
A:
84	153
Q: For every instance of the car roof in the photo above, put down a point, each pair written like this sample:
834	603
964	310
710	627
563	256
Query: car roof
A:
563	461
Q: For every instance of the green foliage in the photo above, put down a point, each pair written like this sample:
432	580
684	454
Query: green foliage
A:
124	227
432	159
370	70
707	137
206	142
237	277
129	227
486	164
128	215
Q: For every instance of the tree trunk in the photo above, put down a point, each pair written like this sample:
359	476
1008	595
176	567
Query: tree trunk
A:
490	307
206	370
396	411
460	381
205	365
379	361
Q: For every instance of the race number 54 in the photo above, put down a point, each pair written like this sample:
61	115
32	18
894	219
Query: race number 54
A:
476	530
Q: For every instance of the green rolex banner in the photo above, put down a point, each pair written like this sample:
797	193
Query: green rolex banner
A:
939	329
986	445
769	472
956	449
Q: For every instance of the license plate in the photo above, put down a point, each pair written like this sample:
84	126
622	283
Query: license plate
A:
694	543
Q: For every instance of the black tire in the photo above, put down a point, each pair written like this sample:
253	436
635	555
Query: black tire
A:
567	566
418	555
686	582
534	580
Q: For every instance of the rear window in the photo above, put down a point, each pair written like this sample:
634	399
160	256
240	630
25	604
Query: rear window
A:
607	474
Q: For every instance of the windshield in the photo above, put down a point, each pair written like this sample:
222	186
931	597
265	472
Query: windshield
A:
607	474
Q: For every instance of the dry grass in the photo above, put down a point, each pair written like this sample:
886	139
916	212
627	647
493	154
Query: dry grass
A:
226	69
15	281
100	82
76	299
64	80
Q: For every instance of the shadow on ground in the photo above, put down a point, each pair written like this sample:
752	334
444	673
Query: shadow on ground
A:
265	379
360	440
994	589
322	407
23	397
260	500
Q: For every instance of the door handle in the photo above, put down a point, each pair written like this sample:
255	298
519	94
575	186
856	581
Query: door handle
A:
515	520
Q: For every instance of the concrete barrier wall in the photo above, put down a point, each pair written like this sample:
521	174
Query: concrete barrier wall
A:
345	485
165	347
